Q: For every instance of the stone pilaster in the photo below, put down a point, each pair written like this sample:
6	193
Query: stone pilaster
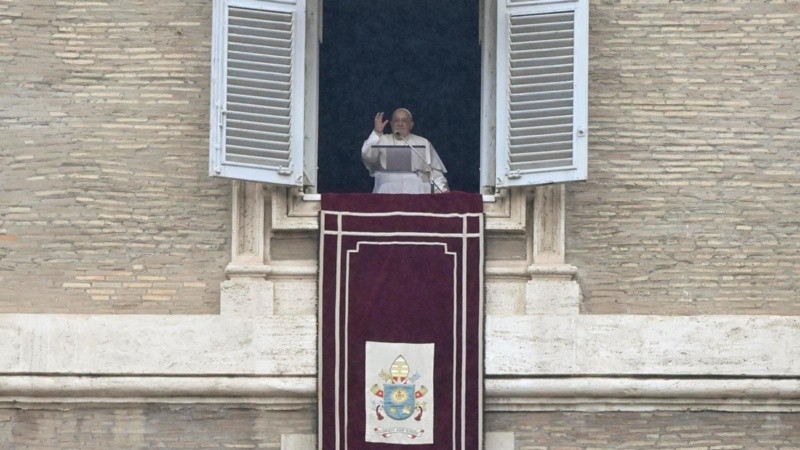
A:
551	288
247	291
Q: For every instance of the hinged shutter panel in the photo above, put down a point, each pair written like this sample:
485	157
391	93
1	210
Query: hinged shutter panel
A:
542	74
257	91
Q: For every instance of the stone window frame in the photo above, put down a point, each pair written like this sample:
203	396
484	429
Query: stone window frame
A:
534	214
533	130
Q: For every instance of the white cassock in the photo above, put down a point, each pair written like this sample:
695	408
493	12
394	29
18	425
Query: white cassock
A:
417	182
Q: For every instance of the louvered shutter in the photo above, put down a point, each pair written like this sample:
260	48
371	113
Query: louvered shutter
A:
542	78
257	90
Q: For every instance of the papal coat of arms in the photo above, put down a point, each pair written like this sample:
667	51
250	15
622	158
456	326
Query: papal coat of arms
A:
399	398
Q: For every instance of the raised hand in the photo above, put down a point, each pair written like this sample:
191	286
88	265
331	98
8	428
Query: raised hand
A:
380	124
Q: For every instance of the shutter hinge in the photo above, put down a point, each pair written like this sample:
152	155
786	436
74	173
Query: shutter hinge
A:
513	174
218	144
217	166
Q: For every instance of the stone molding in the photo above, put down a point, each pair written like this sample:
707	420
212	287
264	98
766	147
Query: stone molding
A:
501	394
293	210
643	394
259	210
285	392
514	269
275	269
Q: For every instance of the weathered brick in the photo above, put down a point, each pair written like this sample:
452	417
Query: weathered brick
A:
51	427
694	104
635	430
99	180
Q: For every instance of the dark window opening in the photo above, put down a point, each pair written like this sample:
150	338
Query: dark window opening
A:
381	55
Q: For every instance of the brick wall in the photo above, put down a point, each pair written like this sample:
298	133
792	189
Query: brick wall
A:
694	169
103	427
131	427
105	201
634	430
105	205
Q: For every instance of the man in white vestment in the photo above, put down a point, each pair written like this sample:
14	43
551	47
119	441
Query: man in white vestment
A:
427	169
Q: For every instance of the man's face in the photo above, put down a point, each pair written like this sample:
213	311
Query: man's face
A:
401	123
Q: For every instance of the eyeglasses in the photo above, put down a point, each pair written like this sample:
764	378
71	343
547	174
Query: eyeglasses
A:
401	120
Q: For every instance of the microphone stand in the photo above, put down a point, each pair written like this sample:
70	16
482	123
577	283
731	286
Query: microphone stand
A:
425	161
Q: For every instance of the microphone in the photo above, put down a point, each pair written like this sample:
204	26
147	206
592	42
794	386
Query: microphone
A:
428	167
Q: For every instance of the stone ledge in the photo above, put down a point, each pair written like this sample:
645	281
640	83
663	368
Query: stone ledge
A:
276	269
630	345
291	210
516	345
286	391
643	393
501	394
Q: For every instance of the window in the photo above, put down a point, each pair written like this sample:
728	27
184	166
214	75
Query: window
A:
534	91
379	55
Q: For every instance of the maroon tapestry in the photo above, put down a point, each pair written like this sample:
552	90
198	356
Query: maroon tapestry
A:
400	315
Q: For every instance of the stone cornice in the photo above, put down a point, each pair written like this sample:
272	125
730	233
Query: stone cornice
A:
569	393
576	393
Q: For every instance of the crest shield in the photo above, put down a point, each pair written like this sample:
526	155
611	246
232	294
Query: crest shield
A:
398	400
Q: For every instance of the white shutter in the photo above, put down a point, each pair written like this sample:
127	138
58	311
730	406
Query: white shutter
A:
257	86
542	78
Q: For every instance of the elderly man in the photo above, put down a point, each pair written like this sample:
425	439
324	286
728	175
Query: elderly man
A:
427	169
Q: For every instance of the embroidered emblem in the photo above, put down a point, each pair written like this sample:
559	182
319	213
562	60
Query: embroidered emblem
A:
400	397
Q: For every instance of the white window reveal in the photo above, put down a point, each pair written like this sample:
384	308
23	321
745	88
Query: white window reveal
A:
542	72
257	95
